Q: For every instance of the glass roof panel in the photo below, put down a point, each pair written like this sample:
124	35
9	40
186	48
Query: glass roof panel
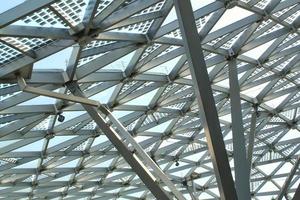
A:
128	58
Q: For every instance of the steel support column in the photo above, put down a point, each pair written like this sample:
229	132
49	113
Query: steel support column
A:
242	176
297	193
288	180
131	157
208	112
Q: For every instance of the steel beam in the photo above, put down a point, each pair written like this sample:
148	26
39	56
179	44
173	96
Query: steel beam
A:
36	32
108	11
208	112
21	10
73	61
24	87
252	138
242	177
140	151
131	157
89	15
110	18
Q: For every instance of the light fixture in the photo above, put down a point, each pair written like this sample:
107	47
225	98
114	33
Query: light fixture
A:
61	118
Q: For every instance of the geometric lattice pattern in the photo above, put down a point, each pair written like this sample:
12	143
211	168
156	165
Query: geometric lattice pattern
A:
129	56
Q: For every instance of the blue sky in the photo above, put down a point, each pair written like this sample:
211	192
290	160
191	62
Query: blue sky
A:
9	4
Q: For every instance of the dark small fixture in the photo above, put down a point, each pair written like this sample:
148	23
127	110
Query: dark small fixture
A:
61	118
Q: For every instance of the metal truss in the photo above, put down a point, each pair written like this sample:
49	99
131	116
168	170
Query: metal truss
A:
153	102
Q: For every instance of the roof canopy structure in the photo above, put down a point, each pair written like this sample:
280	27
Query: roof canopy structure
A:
150	99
